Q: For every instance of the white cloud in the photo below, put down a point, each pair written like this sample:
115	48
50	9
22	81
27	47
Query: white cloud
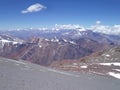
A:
34	8
69	26
98	22
98	27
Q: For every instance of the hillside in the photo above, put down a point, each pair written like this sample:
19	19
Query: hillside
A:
21	75
106	62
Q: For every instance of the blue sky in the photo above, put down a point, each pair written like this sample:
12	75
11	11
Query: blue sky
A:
51	12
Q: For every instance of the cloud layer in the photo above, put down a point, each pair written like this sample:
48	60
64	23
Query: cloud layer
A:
98	27
34	8
69	26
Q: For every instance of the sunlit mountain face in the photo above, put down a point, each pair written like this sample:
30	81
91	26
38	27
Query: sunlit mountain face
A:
46	46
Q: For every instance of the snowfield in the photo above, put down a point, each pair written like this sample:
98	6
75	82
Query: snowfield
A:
21	75
114	75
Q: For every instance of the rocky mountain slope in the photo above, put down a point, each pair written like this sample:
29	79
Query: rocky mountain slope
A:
44	52
106	62
21	75
65	49
46	46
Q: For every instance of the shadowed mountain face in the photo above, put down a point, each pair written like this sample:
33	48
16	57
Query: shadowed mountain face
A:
49	46
44	52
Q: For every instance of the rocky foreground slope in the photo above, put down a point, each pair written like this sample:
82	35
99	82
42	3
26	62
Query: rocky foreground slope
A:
21	75
106	62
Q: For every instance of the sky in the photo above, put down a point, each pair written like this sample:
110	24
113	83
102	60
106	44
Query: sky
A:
46	13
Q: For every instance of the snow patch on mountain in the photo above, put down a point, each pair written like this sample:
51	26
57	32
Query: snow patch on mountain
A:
109	64
72	42
117	70
3	42
6	41
116	75
83	66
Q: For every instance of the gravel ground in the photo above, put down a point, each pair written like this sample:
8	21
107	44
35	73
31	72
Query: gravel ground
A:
19	75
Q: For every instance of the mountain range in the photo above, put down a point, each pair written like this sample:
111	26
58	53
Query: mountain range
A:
74	50
46	46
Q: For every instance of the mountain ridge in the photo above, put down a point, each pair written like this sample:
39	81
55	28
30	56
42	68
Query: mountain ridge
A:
45	47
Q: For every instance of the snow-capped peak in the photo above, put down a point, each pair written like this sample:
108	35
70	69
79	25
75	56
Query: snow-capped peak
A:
5	38
69	27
